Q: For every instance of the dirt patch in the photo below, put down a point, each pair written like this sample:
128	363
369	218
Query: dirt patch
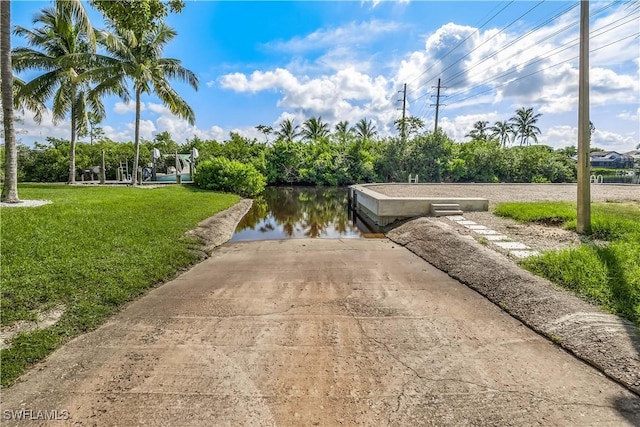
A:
26	204
601	339
44	320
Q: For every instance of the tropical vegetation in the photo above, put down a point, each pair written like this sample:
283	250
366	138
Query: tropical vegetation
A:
75	76
311	155
231	176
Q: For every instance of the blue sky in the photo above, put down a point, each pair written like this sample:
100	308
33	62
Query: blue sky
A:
262	62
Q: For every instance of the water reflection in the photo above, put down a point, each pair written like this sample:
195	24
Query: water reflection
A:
293	212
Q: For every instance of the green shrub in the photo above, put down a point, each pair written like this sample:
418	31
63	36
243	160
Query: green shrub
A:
221	174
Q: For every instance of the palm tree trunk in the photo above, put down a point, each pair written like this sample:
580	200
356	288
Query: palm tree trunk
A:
72	145
136	155
10	189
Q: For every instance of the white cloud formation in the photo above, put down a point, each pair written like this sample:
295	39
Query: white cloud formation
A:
31	130
632	116
459	126
564	136
345	95
127	107
351	34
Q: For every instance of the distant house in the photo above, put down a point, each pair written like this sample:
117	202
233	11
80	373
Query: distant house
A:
611	160
635	154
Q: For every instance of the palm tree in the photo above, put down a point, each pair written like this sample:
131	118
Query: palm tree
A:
315	128
266	130
62	49
409	126
524	125
479	131
10	189
503	131
288	131
343	131
138	56
365	129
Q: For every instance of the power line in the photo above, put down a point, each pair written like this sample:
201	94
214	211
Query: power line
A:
513	42
532	31
457	46
543	69
550	53
483	43
561	30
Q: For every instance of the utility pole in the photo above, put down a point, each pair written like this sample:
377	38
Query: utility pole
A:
584	165
435	128
403	129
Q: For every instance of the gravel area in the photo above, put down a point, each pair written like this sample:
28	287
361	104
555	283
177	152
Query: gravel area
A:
498	193
26	204
538	237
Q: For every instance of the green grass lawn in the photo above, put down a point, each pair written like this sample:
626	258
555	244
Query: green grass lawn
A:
92	250
605	273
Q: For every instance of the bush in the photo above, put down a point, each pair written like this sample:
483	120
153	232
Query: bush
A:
230	176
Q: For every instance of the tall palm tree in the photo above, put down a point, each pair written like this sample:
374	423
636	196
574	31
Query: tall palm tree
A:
288	131
266	130
365	129
524	125
479	131
61	48
314	128
503	131
10	189
138	56
343	131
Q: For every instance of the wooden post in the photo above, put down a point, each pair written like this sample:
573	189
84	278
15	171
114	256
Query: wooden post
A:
178	175
584	165
103	172
192	166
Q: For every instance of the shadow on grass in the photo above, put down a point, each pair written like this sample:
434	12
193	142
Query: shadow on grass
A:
624	299
629	408
624	296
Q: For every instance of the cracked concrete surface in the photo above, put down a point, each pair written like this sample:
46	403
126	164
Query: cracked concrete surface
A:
318	332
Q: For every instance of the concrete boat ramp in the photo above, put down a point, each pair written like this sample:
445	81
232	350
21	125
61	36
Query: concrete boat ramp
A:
381	205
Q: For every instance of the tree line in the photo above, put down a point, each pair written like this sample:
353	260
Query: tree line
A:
314	154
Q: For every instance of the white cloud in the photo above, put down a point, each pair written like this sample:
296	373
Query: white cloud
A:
345	95
147	130
626	115
128	107
459	126
158	108
32	130
351	34
564	136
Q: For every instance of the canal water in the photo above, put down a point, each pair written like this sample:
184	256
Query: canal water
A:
300	212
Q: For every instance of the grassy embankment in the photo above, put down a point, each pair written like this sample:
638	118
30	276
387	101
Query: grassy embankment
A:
92	250
606	269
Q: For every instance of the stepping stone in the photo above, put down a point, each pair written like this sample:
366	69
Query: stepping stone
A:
524	253
487	232
476	227
494	237
465	222
512	245
455	218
